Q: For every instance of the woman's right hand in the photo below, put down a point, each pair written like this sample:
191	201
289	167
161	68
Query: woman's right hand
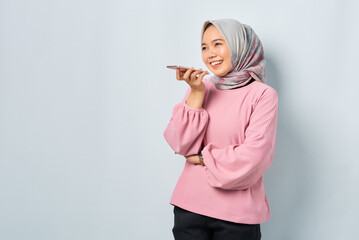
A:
190	76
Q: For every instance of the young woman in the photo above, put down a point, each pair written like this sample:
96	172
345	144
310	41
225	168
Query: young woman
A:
225	127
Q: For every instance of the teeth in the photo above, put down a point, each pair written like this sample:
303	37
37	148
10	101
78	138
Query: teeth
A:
215	63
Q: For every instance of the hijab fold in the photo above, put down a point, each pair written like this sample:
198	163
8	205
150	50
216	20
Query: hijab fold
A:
247	56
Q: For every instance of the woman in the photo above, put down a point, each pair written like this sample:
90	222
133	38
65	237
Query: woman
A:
225	126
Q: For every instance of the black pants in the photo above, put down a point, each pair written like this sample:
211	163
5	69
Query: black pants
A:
193	226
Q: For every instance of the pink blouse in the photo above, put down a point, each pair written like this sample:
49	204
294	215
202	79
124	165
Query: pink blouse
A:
236	131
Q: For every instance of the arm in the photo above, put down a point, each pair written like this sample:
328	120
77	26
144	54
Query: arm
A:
239	166
195	99
188	124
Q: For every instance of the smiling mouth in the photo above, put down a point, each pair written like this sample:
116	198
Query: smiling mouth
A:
216	64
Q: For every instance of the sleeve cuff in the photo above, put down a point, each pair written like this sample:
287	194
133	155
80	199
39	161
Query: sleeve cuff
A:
191	108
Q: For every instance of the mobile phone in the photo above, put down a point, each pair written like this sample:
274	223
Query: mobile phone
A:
181	68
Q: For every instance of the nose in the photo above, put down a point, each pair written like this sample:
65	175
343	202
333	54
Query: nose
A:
212	54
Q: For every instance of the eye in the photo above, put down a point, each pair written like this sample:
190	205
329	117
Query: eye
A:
217	43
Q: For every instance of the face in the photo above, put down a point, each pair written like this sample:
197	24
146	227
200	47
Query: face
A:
215	52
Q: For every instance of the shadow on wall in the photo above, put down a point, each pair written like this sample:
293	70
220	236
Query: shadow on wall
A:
289	180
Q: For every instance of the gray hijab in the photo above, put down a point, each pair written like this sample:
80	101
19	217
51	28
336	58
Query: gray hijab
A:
247	57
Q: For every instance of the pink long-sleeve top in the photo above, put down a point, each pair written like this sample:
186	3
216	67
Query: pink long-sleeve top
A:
236	131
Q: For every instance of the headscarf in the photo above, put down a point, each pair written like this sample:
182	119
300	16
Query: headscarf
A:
247	57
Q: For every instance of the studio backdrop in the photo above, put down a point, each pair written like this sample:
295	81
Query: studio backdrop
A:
85	96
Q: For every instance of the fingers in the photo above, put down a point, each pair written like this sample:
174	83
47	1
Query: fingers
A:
201	76
195	73
190	75
183	75
187	74
179	73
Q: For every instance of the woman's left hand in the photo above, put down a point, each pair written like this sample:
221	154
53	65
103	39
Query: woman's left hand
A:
193	159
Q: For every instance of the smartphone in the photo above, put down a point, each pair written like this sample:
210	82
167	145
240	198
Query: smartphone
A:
181	68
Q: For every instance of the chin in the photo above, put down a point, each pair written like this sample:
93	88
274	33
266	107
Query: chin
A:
219	73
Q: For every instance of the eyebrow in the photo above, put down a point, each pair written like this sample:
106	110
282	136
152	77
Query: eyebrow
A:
213	41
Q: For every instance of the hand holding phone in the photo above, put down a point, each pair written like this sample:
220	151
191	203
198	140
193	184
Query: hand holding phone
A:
192	77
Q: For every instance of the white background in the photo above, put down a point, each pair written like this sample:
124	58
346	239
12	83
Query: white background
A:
85	98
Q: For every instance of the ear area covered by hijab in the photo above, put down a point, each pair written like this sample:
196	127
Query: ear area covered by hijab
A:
247	55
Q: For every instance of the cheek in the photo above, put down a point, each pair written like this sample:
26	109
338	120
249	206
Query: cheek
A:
222	52
204	59
227	56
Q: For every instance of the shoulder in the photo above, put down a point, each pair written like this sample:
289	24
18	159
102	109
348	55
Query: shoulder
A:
262	90
263	95
263	87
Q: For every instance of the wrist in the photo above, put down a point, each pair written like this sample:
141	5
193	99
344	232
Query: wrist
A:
199	89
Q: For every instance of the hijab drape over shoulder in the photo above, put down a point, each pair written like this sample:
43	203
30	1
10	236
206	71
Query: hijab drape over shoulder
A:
247	56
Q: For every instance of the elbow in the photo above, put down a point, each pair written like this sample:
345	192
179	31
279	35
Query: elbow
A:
182	146
178	147
171	138
187	150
